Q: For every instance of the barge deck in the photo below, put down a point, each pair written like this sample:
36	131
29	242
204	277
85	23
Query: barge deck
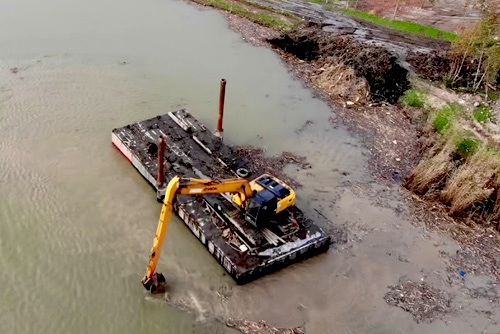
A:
192	150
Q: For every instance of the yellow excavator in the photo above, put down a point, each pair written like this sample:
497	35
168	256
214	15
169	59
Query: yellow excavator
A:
260	200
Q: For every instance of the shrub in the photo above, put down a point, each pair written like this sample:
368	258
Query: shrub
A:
476	53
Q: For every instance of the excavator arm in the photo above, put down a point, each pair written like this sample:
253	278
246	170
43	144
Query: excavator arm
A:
153	281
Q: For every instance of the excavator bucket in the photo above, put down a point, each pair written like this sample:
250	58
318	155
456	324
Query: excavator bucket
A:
156	284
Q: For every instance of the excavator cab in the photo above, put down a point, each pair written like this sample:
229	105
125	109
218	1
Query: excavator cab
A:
271	197
261	208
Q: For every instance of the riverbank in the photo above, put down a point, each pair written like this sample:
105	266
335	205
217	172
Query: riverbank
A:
397	139
388	130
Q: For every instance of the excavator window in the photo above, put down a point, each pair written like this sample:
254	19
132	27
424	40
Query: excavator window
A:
273	186
262	208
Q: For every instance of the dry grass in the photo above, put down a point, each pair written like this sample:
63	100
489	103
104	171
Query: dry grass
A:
340	81
462	169
468	185
474	182
433	171
494	214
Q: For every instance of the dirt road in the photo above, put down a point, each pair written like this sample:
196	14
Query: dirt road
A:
365	32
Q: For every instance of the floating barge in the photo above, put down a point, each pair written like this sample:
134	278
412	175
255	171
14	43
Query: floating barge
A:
193	151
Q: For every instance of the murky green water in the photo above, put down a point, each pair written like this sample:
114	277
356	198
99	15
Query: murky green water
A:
77	221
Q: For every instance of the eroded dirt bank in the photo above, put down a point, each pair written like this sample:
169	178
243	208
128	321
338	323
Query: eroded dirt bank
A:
332	55
459	270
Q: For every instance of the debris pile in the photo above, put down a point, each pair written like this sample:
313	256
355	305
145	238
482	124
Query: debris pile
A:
260	327
456	71
259	163
421	300
386	78
479	253
434	66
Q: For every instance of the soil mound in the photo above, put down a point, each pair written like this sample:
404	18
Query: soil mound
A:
387	79
455	70
432	66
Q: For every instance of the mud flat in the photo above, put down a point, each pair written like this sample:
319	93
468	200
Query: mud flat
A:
193	151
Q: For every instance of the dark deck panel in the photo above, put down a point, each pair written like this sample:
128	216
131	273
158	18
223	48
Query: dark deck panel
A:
193	151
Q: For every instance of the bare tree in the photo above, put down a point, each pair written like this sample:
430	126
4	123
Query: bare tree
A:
396	10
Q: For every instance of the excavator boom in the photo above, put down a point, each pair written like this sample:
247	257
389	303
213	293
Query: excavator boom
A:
155	282
260	200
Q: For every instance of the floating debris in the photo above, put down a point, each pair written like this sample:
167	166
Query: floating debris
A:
260	163
424	302
261	327
479	252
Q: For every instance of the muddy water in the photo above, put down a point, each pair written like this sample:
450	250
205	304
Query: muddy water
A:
76	220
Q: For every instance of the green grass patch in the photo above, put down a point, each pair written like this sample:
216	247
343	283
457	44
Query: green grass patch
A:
271	21
272	10
414	98
442	120
483	114
493	96
445	117
266	19
446	122
468	146
405	26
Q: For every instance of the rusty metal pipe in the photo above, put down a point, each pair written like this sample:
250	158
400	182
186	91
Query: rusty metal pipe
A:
161	166
221	105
